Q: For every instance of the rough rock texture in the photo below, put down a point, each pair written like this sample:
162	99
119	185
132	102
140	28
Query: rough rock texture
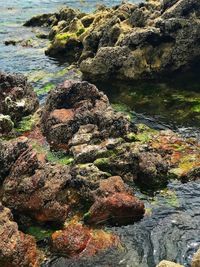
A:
17	98
6	124
168	264
77	118
16	248
37	189
79	108
117	208
196	259
114	203
79	240
130	41
9	153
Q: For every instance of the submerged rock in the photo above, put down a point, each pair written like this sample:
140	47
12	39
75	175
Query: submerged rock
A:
129	41
77	240
17	98
16	248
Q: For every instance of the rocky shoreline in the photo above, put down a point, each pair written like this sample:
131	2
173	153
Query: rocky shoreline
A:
77	167
151	40
74	165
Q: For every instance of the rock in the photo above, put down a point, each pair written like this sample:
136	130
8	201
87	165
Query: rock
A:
118	208
168	264
110	186
6	124
74	106
90	173
9	153
16	248
34	188
153	170
130	42
79	240
196	259
17	98
41	20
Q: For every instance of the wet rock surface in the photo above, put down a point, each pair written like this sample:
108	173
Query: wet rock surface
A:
131	42
77	240
16	248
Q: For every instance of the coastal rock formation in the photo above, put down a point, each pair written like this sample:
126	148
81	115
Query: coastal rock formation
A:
77	113
48	192
16	248
17	98
129	41
79	120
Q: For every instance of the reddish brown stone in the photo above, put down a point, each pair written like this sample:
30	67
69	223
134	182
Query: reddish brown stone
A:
119	208
71	241
35	188
16	248
62	115
110	186
77	240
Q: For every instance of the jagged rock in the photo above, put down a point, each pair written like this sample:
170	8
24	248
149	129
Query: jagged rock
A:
17	98
35	188
114	203
143	41
9	153
16	248
117	208
72	107
6	124
41	20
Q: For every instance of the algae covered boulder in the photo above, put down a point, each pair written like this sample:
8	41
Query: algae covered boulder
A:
129	41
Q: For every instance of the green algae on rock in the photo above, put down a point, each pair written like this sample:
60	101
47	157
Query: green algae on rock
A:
130	41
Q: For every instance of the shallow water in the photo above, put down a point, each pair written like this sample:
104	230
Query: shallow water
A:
172	228
171	231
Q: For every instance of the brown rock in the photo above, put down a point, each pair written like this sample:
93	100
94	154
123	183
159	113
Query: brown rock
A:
196	259
16	248
77	240
35	188
75	105
119	208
